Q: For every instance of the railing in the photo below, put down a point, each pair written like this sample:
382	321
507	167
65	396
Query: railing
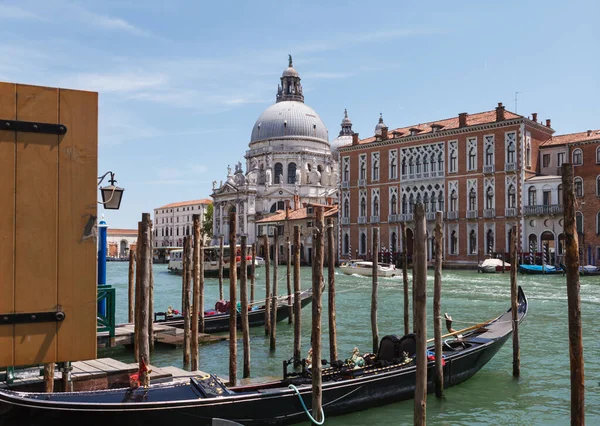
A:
345	221
430	215
345	185
392	218
440	173
453	215
374	219
488	169
489	212
406	217
512	212
510	167
544	209
362	182
106	320
362	220
471	214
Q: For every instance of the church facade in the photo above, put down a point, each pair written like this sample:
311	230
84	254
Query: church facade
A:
289	163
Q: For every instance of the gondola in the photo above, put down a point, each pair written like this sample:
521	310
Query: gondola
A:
385	377
540	269
215	322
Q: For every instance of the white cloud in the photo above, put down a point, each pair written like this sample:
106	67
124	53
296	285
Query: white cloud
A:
13	12
111	23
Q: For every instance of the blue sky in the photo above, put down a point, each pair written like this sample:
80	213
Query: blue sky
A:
181	83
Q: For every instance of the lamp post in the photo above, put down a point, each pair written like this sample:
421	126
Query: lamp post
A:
111	194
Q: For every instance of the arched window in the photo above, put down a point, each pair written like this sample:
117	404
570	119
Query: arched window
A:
279	205
432	200
441	201
292	173
432	162
376	206
528	154
393	202
472	199
440	162
403	166
453	201
453	242
363	169
411	166
489	241
363	207
598	186
598	223
577	157
404	205
278	172
363	243
578	182
346	243
346	172
472	242
426	202
489	155
512	197
579	222
560	194
393	167
510	152
532	196
411	204
473	158
425	164
346	208
418	164
489	198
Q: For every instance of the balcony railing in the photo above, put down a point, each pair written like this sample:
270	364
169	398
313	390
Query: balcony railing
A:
544	209
471	214
488	169
406	217
510	167
512	212
345	185
392	218
489	212
453	215
374	219
362	182
430	215
345	221
362	220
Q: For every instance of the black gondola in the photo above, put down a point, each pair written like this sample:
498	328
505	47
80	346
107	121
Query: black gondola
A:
385	378
219	322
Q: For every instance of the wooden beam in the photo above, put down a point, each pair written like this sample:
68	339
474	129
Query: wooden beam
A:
437	306
420	320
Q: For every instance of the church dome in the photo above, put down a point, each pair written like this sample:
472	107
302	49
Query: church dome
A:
380	125
289	119
290	72
345	136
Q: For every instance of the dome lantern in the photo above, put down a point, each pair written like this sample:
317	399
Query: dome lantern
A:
290	88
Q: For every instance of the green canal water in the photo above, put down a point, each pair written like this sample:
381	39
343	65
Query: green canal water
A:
492	397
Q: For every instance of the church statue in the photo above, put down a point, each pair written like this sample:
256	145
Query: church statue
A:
298	176
289	60
269	180
238	167
228	170
214	183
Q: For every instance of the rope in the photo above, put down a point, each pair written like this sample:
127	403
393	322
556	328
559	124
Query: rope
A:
306	409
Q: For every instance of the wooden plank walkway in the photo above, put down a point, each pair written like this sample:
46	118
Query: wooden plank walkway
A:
163	334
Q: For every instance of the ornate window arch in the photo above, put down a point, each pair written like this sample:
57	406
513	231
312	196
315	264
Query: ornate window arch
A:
577	157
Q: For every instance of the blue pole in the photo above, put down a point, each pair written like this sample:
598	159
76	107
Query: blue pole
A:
102	247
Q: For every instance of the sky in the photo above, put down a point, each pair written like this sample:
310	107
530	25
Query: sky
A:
181	83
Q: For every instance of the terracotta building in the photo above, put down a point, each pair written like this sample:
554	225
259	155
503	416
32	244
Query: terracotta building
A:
473	167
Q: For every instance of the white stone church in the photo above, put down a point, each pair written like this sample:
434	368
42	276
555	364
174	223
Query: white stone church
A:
290	162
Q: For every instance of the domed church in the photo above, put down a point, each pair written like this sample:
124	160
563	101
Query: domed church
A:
289	163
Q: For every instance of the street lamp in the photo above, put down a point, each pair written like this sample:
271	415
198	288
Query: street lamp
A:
111	194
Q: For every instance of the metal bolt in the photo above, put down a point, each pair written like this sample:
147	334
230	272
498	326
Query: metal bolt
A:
5	318
7	124
33	317
35	127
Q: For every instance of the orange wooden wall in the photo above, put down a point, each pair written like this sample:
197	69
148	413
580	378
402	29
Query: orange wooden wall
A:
49	190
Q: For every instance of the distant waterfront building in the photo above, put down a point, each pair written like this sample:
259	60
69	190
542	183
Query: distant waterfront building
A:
486	171
174	221
120	242
289	160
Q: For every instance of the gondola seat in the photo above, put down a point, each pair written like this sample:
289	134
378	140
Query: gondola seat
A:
393	349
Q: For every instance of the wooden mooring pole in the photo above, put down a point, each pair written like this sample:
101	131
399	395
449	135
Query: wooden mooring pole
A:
221	267
49	377
374	331
186	309
405	279
317	280
573	298
144	314
151	292
267	286
297	306
274	295
288	246
514	238
333	355
233	301
197	258
131	292
201	284
420	320
253	270
136	322
437	306
244	302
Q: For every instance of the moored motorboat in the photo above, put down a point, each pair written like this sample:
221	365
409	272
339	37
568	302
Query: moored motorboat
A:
540	269
347	386
365	268
493	265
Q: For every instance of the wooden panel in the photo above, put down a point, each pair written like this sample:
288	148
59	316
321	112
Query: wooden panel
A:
77	202
8	103
36	225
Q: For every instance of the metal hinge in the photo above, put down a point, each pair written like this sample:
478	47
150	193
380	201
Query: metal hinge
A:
32	317
32	127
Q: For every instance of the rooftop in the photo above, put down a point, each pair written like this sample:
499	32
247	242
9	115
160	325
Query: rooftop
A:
299	214
118	231
186	203
588	135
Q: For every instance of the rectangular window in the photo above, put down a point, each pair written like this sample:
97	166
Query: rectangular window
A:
560	159
546	160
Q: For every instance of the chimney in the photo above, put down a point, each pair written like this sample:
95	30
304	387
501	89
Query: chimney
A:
589	133
354	138
548	122
462	119
304	205
534	116
384	133
287	209
329	201
296	202
500	112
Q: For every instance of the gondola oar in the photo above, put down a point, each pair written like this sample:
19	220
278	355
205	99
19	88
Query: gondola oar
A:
473	327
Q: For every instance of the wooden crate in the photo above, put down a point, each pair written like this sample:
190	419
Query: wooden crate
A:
49	193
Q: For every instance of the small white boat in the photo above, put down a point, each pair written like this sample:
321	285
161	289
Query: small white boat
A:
493	265
365	268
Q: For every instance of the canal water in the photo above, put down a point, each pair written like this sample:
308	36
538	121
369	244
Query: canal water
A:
492	397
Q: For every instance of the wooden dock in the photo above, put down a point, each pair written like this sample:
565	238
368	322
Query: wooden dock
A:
163	334
102	373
